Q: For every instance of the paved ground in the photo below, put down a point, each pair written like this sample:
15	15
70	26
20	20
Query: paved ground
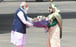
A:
36	37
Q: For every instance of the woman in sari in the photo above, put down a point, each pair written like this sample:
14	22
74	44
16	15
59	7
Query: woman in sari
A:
54	28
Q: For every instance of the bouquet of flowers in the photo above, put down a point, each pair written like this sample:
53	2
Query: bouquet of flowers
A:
40	21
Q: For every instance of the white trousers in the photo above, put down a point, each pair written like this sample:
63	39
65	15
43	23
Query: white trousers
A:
17	38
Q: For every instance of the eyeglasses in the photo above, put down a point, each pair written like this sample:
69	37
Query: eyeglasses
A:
50	7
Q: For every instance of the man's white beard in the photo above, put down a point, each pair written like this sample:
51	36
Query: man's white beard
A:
25	10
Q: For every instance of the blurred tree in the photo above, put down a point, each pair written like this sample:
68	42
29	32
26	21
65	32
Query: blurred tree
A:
39	0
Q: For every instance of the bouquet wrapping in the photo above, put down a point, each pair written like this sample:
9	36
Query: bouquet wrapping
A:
40	21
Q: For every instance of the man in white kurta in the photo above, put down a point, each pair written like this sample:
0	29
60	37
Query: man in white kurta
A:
19	25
